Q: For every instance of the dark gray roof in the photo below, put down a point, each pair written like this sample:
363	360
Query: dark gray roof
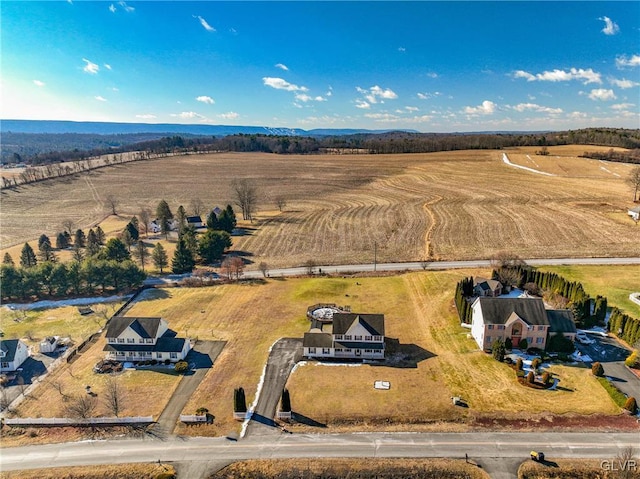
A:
145	327
163	345
9	346
374	323
486	284
358	345
194	219
498	310
561	321
317	340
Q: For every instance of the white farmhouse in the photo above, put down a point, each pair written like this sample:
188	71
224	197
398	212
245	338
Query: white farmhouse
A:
13	353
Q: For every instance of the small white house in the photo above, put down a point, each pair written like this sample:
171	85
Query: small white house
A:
634	213
143	339
49	344
13	353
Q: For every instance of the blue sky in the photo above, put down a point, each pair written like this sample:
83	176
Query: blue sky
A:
428	66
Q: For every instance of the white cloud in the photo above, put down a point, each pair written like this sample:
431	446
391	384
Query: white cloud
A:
204	23
146	116
602	94
624	83
329	91
115	89
100	98
382	117
411	108
280	84
376	94
205	99
432	75
185	115
39	83
587	76
107	66
126	7
610	27
362	104
303	97
622	106
402	49
231	115
537	108
319	98
282	66
486	108
427	95
633	61
112	8
90	67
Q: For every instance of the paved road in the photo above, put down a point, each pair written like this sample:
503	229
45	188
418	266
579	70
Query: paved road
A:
201	359
479	446
284	354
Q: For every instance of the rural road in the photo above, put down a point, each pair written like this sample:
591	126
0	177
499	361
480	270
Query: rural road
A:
480	446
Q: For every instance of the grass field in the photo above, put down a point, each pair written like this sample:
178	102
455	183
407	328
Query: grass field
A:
574	469
616	283
107	471
451	205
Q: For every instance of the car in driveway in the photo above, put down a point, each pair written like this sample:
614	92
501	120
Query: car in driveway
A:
582	338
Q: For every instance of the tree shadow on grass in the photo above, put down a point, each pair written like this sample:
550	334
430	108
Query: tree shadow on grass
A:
152	294
399	355
302	419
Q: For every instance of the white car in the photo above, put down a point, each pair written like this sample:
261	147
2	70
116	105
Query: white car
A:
584	339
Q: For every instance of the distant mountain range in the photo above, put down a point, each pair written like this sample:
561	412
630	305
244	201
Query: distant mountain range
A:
108	128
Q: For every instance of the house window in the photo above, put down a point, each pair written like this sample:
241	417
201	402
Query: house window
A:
121	340
325	350
158	355
149	340
338	350
530	340
347	337
131	340
338	337
348	350
501	326
5	365
368	350
147	354
174	355
540	328
367	338
358	338
487	339
141	340
539	340
377	338
130	353
312	350
490	326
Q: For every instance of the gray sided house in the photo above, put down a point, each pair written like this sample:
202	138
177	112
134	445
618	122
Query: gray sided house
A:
487	287
13	353
634	213
358	336
195	221
143	339
518	318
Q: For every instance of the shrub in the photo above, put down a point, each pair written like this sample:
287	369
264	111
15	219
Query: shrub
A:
535	364
523	344
285	402
633	361
561	344
508	344
520	374
201	411
546	378
498	350
165	475
631	405
531	377
519	364
597	369
181	367
154	362
167	362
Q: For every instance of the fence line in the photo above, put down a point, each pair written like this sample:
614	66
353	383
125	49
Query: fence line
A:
67	422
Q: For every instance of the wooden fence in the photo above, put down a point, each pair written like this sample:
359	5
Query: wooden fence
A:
68	422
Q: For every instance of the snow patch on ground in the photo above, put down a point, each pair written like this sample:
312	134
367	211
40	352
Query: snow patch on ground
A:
65	302
505	158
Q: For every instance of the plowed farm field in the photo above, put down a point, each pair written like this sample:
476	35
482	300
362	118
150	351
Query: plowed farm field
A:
342	208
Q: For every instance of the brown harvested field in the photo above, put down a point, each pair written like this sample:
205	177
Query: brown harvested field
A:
575	469
106	471
450	205
372	467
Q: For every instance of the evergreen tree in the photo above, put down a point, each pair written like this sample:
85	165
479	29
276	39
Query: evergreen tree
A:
59	279
79	240
133	231
115	250
45	250
11	281
74	276
93	247
285	402
181	216
160	258
62	241
142	254
227	219
43	239
239	400
27	256
7	259
498	350
183	261
212	221
164	215
188	235
78	255
100	236
212	245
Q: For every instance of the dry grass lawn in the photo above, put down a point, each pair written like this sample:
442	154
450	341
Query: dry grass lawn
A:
372	467
106	471
571	469
449	205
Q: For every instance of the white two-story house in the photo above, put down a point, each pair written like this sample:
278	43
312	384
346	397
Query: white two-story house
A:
143	339
13	353
359	336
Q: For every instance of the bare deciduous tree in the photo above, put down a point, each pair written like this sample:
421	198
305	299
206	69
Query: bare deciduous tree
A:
57	385
625	464
281	202
114	396
69	226
145	218
633	181
81	407
504	259
196	206
310	264
102	312
142	253
232	266
264	269
112	202
245	196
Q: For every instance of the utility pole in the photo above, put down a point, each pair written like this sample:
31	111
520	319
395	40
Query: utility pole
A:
375	254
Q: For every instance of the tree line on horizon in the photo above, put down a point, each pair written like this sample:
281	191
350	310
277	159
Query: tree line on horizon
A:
36	148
